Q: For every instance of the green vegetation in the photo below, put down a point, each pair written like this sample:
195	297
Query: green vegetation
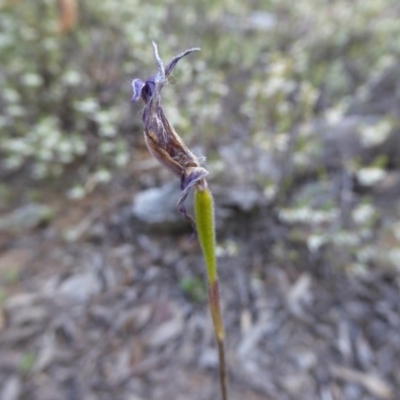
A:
204	208
27	361
63	95
268	71
195	288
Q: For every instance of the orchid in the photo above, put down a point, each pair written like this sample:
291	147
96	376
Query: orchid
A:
161	138
166	145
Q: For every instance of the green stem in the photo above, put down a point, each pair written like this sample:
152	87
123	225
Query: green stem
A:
204	209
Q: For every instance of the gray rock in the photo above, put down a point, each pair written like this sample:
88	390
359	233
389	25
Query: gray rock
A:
245	198
155	209
380	95
334	145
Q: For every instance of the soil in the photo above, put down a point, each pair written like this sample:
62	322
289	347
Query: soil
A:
93	307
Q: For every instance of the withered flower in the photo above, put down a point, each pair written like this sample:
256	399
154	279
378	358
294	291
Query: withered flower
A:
161	139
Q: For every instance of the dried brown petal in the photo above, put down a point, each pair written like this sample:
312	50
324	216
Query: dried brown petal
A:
161	138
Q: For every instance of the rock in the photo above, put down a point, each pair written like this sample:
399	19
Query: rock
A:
334	145
241	164
380	95
155	209
245	198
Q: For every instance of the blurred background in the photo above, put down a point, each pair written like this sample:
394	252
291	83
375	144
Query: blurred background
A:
296	107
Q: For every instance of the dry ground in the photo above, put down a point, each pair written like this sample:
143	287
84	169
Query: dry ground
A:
93	309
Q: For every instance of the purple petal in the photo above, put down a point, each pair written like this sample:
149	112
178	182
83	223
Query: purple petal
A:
171	65
137	86
190	177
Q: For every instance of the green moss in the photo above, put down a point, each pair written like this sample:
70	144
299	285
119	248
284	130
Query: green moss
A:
195	288
27	362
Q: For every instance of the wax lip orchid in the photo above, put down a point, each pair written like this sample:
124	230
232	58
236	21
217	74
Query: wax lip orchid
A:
161	138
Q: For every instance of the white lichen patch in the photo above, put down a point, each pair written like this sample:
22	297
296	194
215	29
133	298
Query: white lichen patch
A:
364	214
308	215
374	135
370	176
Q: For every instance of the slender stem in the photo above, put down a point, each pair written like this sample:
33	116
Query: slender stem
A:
222	369
204	209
